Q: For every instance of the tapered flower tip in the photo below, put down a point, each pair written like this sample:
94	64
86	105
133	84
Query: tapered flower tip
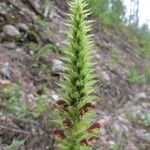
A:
84	141
82	112
93	139
67	122
89	141
58	133
90	105
94	126
86	107
62	102
55	106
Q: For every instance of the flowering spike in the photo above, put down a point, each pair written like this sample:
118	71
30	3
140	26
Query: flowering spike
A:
78	81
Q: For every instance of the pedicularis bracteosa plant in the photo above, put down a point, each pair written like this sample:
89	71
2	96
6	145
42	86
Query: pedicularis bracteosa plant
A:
77	130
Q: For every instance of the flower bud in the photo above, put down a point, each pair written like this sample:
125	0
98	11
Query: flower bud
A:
55	106
94	126
93	139
58	133
67	122
82	112
89	105
62	102
84	141
86	107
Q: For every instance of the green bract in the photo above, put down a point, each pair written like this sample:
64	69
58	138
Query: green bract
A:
77	132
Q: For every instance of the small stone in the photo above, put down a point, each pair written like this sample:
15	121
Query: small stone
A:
54	96
22	27
1	114
10	45
98	56
1	19
111	142
105	76
37	4
20	50
33	130
57	66
3	118
10	31
6	71
3	13
143	134
31	98
141	95
131	146
147	137
16	110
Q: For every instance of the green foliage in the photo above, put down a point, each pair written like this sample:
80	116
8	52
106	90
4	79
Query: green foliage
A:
10	97
40	107
110	12
100	9
34	36
147	71
46	5
145	49
15	145
41	22
76	110
115	60
117	10
145	31
135	77
144	119
37	50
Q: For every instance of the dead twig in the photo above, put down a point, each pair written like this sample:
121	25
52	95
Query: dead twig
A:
16	130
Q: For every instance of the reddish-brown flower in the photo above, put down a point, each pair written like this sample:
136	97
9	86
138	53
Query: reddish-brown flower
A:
58	133
89	105
93	139
67	122
56	106
62	102
94	126
82	112
86	107
84	141
89	141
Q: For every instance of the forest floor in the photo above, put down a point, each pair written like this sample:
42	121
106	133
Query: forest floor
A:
30	52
